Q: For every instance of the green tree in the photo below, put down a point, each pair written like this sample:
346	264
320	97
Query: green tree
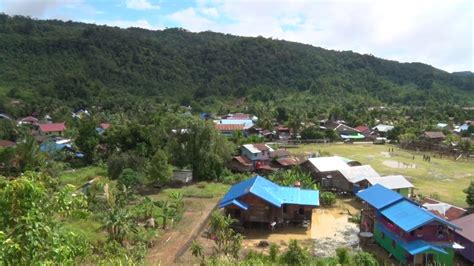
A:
328	198
129	178
227	241
470	194
365	259
159	168
88	138
30	231
119	224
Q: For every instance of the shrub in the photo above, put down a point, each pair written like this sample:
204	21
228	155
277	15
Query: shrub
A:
328	199
129	178
295	255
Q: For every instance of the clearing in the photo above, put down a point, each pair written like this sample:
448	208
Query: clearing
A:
200	199
443	178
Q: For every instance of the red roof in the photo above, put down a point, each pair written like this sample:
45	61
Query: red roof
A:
362	129
452	213
53	127
104	125
7	143
222	127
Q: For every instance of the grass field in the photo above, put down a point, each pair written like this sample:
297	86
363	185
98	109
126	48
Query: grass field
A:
78	177
443	178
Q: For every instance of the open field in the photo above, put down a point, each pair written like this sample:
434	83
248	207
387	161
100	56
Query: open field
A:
443	178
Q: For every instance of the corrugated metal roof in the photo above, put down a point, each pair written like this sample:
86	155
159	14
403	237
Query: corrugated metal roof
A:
379	196
246	122
271	193
466	223
223	127
358	173
53	127
412	247
383	128
326	164
391	181
409	216
235	202
257	148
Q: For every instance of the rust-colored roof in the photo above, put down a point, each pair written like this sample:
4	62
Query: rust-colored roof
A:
362	129
261	146
104	125
451	213
279	153
53	127
434	135
222	127
243	160
7	143
288	161
467	225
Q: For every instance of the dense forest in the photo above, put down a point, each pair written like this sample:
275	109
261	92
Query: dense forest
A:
48	64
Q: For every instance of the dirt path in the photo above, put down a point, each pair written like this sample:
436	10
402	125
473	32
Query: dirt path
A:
171	241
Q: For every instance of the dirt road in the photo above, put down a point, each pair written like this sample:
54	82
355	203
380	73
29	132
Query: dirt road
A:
170	243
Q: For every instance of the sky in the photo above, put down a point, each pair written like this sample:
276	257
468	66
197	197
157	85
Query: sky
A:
435	32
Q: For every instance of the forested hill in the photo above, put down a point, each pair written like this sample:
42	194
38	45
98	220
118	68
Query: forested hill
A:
84	64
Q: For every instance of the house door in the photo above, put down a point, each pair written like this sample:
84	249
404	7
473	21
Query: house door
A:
429	259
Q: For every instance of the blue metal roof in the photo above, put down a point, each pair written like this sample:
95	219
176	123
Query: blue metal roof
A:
271	193
413	247
235	202
409	216
420	246
379	196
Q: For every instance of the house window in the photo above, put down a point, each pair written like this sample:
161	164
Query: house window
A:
301	211
285	208
394	244
382	235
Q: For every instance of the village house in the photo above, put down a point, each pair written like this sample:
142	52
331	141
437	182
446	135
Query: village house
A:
256	152
52	129
382	130
29	120
229	130
7	144
344	131
349	178
434	136
260	201
364	130
322	169
184	176
397	183
465	237
409	232
442	209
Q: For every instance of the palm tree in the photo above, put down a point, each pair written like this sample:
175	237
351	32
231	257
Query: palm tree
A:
168	211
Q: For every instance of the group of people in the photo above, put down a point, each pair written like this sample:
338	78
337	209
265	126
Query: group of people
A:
427	158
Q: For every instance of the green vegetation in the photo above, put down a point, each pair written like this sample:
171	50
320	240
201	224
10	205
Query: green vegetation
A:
444	177
470	194
328	198
82	65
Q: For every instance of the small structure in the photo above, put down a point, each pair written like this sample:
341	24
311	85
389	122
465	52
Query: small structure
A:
412	234
241	164
345	132
102	128
56	129
258	200
29	120
7	144
434	136
465	237
324	168
183	175
350	178
382	129
442	209
229	129
397	183
256	152
4	116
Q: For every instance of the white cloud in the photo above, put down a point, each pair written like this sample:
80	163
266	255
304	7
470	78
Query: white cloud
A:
439	33
140	4
210	12
34	8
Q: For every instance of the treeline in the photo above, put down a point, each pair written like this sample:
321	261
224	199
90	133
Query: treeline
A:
49	64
